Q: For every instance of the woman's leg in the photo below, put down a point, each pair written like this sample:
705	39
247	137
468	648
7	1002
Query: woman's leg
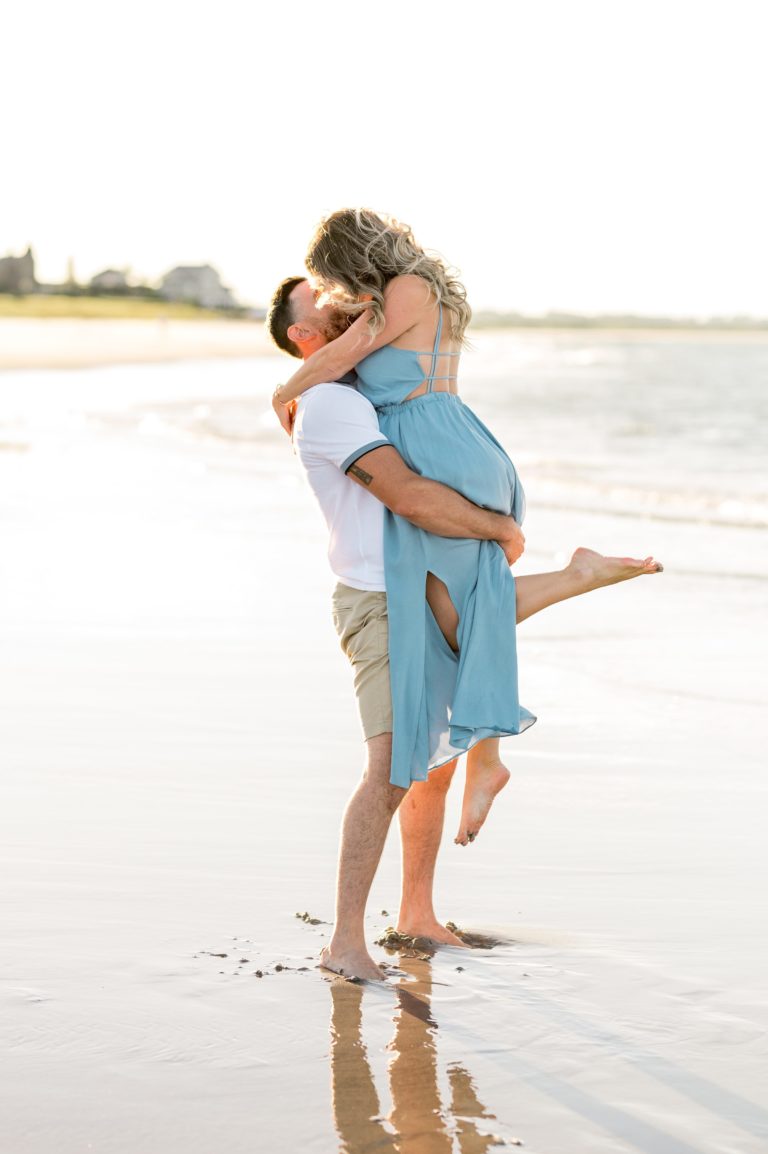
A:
586	571
444	610
486	776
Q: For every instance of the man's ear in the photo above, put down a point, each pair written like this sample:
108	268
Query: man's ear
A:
297	334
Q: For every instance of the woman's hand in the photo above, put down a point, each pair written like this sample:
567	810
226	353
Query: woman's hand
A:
286	414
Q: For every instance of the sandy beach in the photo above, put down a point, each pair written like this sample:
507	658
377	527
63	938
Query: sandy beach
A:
179	739
53	343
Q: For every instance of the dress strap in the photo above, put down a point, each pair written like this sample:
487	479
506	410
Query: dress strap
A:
435	347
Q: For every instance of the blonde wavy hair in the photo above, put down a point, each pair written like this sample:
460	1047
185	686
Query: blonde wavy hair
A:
355	253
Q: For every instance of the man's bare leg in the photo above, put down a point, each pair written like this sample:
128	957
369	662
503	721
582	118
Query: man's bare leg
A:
363	833
586	571
421	817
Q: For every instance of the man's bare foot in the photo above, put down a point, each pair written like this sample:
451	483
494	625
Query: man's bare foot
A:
429	930
351	964
485	778
591	570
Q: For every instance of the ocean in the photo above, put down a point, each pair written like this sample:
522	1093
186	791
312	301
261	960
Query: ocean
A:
669	427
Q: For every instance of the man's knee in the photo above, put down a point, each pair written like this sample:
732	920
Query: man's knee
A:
440	779
379	786
394	795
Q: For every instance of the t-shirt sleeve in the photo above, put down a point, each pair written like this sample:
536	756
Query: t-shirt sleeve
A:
337	425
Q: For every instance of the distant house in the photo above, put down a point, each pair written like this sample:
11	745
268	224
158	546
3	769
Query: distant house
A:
17	274
199	284
110	281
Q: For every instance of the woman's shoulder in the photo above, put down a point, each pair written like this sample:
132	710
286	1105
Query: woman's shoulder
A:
408	289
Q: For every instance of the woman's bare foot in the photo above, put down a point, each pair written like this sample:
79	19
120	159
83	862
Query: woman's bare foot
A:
485	778
430	930
351	964
591	570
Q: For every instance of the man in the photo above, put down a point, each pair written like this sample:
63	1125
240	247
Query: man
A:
354	472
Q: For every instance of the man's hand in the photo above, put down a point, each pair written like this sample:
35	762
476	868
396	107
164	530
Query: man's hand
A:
513	544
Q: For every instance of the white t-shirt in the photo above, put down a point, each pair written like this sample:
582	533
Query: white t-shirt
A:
334	426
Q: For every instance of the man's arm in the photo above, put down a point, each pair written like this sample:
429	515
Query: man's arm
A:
430	505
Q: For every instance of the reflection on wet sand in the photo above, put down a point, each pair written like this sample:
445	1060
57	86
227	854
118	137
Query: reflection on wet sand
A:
420	1122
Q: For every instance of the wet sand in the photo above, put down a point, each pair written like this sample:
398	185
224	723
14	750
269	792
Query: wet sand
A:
178	742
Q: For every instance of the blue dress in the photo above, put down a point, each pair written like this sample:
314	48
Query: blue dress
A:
444	702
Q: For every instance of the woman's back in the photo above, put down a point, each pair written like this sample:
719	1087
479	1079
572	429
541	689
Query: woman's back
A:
408	367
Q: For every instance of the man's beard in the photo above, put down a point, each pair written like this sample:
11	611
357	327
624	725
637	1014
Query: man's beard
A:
335	324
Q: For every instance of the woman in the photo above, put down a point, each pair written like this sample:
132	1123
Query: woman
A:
451	603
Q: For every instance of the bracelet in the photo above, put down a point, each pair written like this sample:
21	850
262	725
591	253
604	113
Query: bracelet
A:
276	396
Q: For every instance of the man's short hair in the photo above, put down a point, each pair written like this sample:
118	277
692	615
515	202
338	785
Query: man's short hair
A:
280	315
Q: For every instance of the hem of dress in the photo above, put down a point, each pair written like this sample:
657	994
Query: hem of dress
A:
460	752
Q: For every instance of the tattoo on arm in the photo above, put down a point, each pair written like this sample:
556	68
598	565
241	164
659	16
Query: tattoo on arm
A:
361	474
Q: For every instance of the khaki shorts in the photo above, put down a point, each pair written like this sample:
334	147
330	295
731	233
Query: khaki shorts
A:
360	617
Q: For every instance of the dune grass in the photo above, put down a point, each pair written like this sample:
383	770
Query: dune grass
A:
102	308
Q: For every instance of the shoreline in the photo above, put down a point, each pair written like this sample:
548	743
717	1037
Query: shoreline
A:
629	334
80	343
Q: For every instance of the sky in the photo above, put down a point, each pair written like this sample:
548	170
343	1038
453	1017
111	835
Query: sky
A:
580	155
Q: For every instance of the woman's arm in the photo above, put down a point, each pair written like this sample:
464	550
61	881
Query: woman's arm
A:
406	300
